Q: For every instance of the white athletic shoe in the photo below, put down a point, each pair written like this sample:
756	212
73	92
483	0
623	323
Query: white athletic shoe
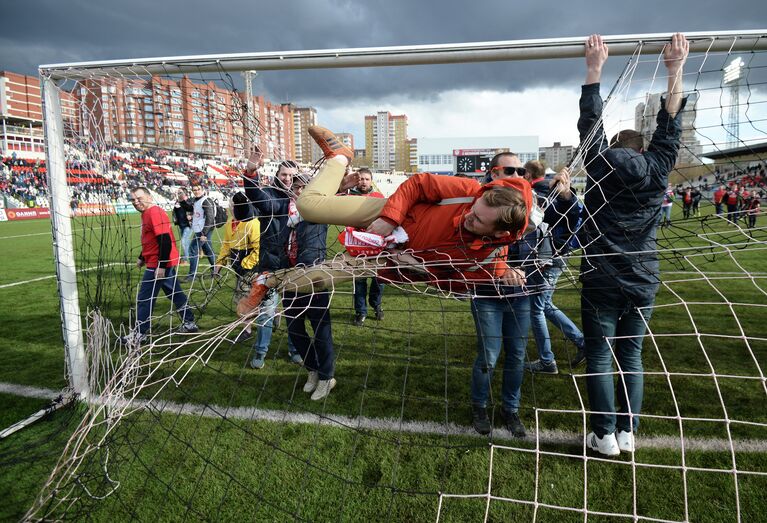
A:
625	440
312	380
606	445
323	389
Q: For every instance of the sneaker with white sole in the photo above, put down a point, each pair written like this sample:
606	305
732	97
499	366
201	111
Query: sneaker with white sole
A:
542	367
323	389
311	381
296	358
258	361
188	327
607	445
625	440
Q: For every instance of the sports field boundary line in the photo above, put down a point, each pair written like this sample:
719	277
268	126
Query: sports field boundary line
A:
41	278
428	428
24	235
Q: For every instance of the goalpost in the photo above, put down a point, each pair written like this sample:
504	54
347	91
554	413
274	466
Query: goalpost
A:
620	45
116	383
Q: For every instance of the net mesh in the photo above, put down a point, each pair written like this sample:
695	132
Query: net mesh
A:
179	426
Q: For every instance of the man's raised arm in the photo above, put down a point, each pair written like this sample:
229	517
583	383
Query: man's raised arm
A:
674	56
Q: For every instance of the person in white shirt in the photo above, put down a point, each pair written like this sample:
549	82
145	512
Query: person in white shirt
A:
203	223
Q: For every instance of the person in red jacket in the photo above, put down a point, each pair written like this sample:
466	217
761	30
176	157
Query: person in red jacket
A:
718	197
160	257
449	232
732	200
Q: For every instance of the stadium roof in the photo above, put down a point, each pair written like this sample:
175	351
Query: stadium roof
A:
737	151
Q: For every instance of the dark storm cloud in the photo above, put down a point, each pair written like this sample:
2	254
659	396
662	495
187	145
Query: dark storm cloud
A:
49	31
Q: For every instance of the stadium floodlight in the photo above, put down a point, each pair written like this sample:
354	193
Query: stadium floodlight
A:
732	72
732	76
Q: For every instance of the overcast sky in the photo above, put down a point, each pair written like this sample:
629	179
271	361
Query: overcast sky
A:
518	98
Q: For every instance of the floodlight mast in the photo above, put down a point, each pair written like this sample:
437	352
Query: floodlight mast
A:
732	75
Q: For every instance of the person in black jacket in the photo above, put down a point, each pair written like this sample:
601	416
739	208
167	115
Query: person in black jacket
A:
181	211
561	218
273	204
696	197
620	269
307	245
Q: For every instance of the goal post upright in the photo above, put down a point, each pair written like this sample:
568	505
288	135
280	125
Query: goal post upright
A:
63	239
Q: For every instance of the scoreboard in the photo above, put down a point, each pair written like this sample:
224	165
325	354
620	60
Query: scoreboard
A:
474	161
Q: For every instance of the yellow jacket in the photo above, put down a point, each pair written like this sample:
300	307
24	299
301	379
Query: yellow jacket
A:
245	237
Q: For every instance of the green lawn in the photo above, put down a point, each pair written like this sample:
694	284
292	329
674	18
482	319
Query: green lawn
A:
414	366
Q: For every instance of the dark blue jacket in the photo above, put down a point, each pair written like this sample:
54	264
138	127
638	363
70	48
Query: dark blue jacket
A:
272	204
624	190
539	247
312	241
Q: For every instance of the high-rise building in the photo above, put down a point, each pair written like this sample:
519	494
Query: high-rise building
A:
412	145
645	115
556	156
306	150
386	141
21	114
181	115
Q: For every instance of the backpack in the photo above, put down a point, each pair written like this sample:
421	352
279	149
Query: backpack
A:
221	216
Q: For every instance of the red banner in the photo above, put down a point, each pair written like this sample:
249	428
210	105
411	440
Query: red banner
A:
27	214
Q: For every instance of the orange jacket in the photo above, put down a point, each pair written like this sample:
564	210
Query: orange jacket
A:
453	256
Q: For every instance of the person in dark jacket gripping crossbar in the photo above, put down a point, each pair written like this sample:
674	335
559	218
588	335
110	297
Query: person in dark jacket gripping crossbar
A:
620	268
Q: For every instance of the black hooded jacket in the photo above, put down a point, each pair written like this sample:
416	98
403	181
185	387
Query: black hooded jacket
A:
624	191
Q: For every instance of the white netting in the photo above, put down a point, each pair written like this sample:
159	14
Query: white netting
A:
179	426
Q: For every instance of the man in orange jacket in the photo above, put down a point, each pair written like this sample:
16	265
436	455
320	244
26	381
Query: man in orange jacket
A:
451	232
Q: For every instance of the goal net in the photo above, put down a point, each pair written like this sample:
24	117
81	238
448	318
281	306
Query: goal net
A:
177	425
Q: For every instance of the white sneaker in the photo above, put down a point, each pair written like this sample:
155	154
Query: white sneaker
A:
312	380
323	389
606	445
625	440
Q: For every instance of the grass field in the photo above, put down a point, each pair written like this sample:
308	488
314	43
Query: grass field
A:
705	364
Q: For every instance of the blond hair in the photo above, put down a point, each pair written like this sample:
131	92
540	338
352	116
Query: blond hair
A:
510	202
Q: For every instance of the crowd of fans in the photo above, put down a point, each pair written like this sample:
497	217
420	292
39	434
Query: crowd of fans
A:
108	176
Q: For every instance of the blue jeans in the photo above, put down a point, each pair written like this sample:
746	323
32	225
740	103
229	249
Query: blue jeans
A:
317	351
500	320
186	241
148	290
542	308
605	318
194	253
666	213
265	326
361	291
